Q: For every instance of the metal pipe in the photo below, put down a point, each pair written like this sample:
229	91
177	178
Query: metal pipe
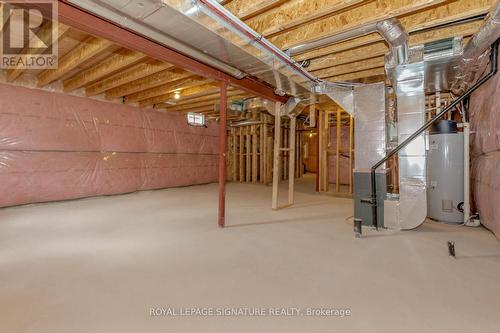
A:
231	19
466	172
81	15
104	10
332	39
222	154
391	30
493	71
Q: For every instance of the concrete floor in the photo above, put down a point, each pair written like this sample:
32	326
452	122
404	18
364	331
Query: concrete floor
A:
100	264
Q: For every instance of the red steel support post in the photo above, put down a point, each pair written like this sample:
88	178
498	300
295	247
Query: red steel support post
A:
222	154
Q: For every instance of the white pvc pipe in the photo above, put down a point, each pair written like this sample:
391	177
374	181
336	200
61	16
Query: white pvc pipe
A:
466	173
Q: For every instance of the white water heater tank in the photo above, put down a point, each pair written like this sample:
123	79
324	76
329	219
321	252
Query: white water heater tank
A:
445	172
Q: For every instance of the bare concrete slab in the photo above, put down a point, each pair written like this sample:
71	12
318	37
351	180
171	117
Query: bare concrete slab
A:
102	264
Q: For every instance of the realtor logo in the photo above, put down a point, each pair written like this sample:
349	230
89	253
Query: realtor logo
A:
28	34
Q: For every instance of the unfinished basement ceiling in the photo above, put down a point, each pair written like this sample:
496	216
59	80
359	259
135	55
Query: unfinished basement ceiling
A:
97	68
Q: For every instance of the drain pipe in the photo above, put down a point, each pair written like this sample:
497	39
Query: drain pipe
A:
391	30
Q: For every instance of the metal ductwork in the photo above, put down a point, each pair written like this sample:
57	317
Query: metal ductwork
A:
393	33
391	30
219	39
293	107
244	123
476	51
133	15
342	94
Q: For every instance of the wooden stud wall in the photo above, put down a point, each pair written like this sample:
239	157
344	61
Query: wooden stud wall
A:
326	119
250	157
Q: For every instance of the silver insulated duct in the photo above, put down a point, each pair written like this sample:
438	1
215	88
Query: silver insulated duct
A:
391	31
476	51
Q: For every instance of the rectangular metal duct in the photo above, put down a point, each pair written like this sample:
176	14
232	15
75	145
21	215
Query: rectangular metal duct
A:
180	23
409	85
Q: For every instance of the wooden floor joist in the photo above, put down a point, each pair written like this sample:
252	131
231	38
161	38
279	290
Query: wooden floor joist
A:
131	74
45	37
147	82
118	61
161	94
87	50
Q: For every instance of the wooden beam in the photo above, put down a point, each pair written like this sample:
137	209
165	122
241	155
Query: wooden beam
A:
241	171
351	67
259	8
44	36
292	12
133	73
321	148
212	101
357	75
210	97
84	21
358	59
118	61
379	49
365	13
191	105
248	150
298	21
199	109
154	80
453	12
164	93
234	153
347	57
84	52
449	12
371	79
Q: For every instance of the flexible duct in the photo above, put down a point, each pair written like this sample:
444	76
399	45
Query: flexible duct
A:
476	50
394	34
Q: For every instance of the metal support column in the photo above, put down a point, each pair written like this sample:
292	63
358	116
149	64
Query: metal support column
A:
277	153
291	160
222	154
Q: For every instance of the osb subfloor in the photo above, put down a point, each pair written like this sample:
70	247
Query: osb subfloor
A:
101	264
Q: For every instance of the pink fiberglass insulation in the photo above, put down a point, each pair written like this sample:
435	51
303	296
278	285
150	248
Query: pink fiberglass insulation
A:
485	118
485	150
486	189
344	156
55	147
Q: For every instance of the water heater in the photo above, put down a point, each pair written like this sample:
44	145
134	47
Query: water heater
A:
445	173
